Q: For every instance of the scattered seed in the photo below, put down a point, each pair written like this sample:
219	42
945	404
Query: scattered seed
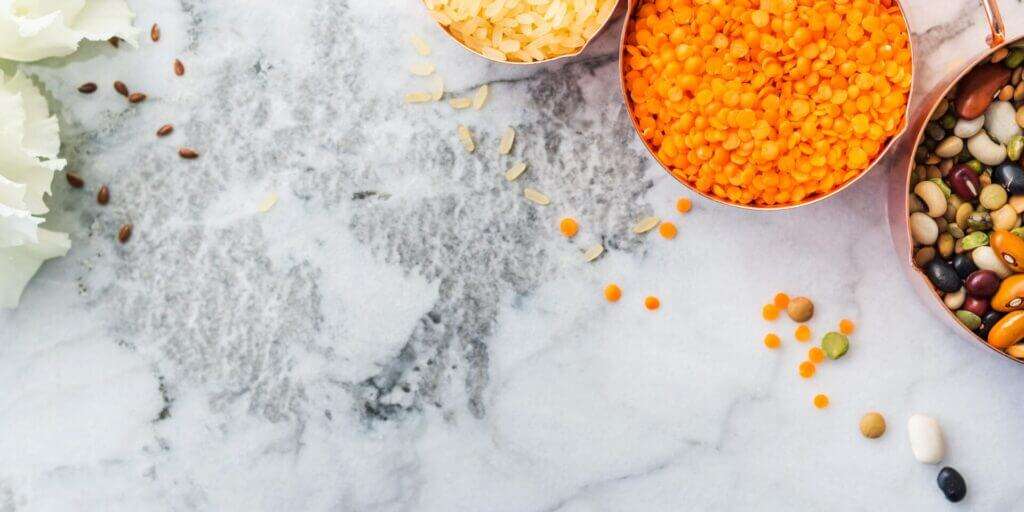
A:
438	91
593	253
569	227
165	130
515	171
103	196
821	401
154	33
815	355
114	41
800	309
188	153
667	230
683	205
536	196
646	224
179	68
466	138
121	88
652	302
772	340
846	326
872	425
421	46
460	103
422	69
74	180
418	97
267	203
124	233
802	333
769	312
781	300
507	139
87	88
806	369
480	97
612	293
137	97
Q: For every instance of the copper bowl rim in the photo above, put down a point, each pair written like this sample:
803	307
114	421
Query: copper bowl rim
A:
906	251
616	12
631	5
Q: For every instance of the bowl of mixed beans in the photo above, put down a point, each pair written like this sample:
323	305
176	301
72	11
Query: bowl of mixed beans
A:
963	199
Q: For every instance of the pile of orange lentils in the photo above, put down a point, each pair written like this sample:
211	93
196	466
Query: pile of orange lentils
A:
767	102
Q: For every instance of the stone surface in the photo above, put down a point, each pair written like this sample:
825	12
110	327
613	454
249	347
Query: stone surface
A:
405	332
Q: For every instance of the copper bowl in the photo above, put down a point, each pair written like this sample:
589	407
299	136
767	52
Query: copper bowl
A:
616	12
631	6
899	183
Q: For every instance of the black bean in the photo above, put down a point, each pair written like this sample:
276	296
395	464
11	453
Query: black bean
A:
1010	176
943	276
982	283
987	321
952	484
964	265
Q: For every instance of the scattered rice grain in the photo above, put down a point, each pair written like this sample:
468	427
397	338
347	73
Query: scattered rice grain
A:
480	97
267	203
460	103
422	47
437	92
515	171
593	253
422	69
418	97
507	139
646	224
467	139
536	196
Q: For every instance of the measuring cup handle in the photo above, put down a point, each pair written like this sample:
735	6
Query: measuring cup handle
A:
995	23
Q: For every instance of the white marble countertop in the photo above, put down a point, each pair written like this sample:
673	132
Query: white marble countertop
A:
403	332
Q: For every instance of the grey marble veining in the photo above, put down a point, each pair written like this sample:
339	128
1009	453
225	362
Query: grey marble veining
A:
404	332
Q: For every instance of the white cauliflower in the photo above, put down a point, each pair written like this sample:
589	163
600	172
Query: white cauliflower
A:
36	29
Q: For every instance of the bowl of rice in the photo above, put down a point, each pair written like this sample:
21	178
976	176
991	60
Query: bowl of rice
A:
522	31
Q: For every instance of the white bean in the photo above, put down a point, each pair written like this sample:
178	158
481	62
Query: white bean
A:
985	258
956	299
949	147
967	128
986	150
933	198
926	439
1004	218
923	229
1001	121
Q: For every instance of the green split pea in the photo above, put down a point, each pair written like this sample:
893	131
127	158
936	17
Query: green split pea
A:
835	345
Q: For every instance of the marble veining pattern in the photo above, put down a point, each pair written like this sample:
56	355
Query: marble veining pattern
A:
404	332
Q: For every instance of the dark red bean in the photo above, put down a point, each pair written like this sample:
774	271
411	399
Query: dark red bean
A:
978	89
982	284
964	182
976	305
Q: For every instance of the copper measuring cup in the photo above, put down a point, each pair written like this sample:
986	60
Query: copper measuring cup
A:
631	7
616	12
898	207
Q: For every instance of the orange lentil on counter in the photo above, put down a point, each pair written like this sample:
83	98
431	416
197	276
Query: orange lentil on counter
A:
821	401
612	293
781	300
667	230
569	227
772	340
770	312
815	355
846	326
683	205
802	333
652	303
768	106
806	369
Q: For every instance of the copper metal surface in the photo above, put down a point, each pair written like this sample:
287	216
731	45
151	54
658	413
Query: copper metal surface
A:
899	185
632	4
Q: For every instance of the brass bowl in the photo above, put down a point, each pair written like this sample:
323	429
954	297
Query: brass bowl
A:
899	183
616	12
632	5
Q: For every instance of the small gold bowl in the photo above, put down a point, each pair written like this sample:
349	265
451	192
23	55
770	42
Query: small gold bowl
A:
615	13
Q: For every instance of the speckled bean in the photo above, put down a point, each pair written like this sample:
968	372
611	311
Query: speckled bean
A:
949	147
